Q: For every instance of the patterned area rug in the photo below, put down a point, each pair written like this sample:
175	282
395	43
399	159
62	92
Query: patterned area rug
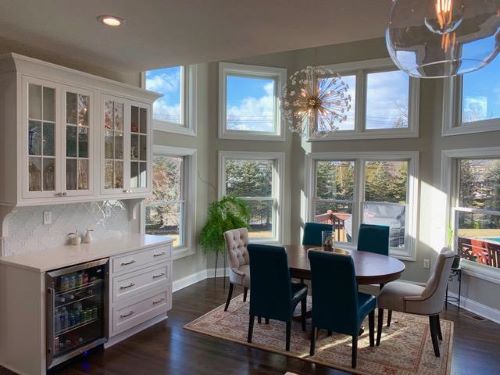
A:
405	347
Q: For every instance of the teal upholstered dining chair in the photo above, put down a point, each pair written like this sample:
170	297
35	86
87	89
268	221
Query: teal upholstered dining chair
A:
312	233
273	295
336	303
375	239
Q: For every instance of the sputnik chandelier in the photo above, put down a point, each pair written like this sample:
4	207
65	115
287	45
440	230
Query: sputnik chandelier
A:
314	101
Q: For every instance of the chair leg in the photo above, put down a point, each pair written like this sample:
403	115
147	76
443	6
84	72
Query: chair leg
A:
371	327
288	333
250	328
433	328
354	350
267	320
259	319
303	307
439	333
245	291
380	323
389	318
313	341
229	295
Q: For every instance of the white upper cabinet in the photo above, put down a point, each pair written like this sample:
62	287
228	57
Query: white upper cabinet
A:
68	136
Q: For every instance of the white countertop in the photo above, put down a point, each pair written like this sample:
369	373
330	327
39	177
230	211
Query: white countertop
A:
64	256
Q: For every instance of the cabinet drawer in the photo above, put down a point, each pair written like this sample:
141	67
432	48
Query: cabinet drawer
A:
139	312
131	261
140	281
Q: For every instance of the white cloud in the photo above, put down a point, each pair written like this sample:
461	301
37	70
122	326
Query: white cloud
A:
253	113
163	83
165	112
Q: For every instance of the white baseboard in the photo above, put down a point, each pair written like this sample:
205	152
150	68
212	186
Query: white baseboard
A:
196	277
477	308
189	280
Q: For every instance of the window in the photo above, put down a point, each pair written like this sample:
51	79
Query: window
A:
170	208
372	188
174	111
472	101
472	179
384	102
249	102
256	178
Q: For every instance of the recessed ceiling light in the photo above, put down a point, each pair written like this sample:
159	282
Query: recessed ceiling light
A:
112	21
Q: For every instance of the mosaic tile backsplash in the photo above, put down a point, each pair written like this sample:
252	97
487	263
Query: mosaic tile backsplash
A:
27	233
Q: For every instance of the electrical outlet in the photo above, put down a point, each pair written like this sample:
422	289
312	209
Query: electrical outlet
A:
427	263
47	217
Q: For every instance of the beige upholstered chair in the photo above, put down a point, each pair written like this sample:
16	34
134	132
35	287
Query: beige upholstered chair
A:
239	261
415	299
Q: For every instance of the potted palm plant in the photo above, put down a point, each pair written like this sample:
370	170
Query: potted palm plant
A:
225	214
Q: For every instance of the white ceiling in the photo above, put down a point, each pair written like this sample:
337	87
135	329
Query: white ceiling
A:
171	32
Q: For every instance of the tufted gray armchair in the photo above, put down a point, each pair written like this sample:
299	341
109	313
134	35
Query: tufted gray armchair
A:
239	261
421	300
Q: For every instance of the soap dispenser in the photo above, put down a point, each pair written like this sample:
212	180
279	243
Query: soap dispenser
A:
87	238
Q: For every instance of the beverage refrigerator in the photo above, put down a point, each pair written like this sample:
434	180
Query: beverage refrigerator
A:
77	317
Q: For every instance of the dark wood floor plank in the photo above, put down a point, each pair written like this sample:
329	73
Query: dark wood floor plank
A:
167	348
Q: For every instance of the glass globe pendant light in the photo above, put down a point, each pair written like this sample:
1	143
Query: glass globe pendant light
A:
443	38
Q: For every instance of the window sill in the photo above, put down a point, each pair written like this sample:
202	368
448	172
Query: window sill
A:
173	128
481	272
472	128
251	136
367	134
182	252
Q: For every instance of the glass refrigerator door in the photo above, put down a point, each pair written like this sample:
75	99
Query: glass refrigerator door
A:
76	310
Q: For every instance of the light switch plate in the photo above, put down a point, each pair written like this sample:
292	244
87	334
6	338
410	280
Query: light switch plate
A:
47	217
427	263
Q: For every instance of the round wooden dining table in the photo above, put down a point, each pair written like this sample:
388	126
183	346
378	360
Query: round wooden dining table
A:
370	268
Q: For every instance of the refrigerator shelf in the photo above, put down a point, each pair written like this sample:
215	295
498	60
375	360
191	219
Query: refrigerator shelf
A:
72	328
88	285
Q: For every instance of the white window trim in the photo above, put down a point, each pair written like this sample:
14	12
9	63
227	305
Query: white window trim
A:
359	69
278	186
409	253
449	179
452	112
279	74
189	95
189	186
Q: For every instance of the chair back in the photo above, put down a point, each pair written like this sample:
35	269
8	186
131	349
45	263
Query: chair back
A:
374	239
435	289
312	233
236	245
334	292
270	284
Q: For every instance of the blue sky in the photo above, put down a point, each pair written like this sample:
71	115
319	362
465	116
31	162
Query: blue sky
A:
166	81
481	93
250	103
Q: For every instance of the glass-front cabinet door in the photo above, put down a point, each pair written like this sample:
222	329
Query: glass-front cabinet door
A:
113	145
78	142
41	139
139	147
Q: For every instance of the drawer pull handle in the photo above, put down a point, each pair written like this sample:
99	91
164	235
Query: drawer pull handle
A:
127	286
159	254
128	263
127	314
159	275
158	301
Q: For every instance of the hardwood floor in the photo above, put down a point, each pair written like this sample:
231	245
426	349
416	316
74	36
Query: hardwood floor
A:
167	348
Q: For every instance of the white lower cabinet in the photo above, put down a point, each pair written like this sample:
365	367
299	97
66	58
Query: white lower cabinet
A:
140	290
